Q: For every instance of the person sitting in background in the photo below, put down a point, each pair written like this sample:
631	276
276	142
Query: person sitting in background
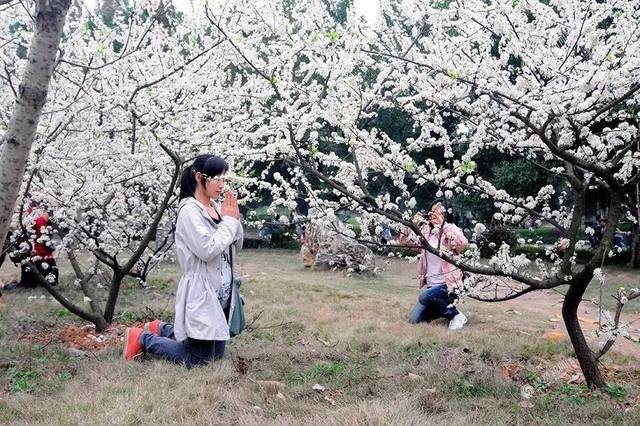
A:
41	254
298	218
467	228
598	230
386	234
437	278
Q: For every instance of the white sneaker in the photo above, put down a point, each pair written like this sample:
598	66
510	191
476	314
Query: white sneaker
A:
457	322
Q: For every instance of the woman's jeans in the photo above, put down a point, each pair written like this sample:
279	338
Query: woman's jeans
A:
433	303
190	352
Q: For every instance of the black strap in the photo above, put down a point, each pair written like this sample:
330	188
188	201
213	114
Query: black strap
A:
232	279
219	219
231	260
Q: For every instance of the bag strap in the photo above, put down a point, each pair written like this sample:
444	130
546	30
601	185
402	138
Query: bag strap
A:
231	262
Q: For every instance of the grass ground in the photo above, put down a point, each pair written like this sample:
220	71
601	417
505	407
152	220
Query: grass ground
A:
348	334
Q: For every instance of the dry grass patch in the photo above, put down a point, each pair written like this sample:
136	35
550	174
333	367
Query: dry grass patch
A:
347	334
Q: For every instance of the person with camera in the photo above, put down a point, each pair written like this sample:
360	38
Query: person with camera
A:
437	278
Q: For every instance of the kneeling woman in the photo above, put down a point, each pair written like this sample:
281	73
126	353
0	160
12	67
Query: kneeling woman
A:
437	277
206	238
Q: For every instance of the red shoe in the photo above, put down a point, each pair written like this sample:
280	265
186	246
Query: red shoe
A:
132	346
153	327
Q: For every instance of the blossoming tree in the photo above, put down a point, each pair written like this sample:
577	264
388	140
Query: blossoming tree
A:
553	83
125	110
296	96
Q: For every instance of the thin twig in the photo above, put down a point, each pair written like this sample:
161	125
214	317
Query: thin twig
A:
249	325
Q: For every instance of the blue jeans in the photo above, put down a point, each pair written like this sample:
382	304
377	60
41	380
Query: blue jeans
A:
190	352
433	303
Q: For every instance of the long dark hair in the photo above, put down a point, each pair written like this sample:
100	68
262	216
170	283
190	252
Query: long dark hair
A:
210	165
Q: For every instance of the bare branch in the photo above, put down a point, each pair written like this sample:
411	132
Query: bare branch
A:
615	102
72	307
84	282
172	72
504	298
616	322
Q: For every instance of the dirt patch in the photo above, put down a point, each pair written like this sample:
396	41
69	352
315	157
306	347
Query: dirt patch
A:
80	337
547	306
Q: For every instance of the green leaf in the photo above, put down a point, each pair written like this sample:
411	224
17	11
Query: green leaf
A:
454	74
333	36
468	166
410	166
23	381
615	392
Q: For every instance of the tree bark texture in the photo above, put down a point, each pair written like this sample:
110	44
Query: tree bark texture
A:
586	357
16	143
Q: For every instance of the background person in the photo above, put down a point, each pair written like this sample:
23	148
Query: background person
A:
437	277
41	251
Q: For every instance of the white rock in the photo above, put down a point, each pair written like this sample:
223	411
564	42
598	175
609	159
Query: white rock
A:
415	376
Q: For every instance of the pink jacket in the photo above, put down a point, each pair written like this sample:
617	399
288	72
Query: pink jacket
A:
452	240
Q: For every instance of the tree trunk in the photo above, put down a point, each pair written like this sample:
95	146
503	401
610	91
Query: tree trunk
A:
112	299
16	144
586	357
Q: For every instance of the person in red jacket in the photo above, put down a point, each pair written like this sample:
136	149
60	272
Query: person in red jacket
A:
41	254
